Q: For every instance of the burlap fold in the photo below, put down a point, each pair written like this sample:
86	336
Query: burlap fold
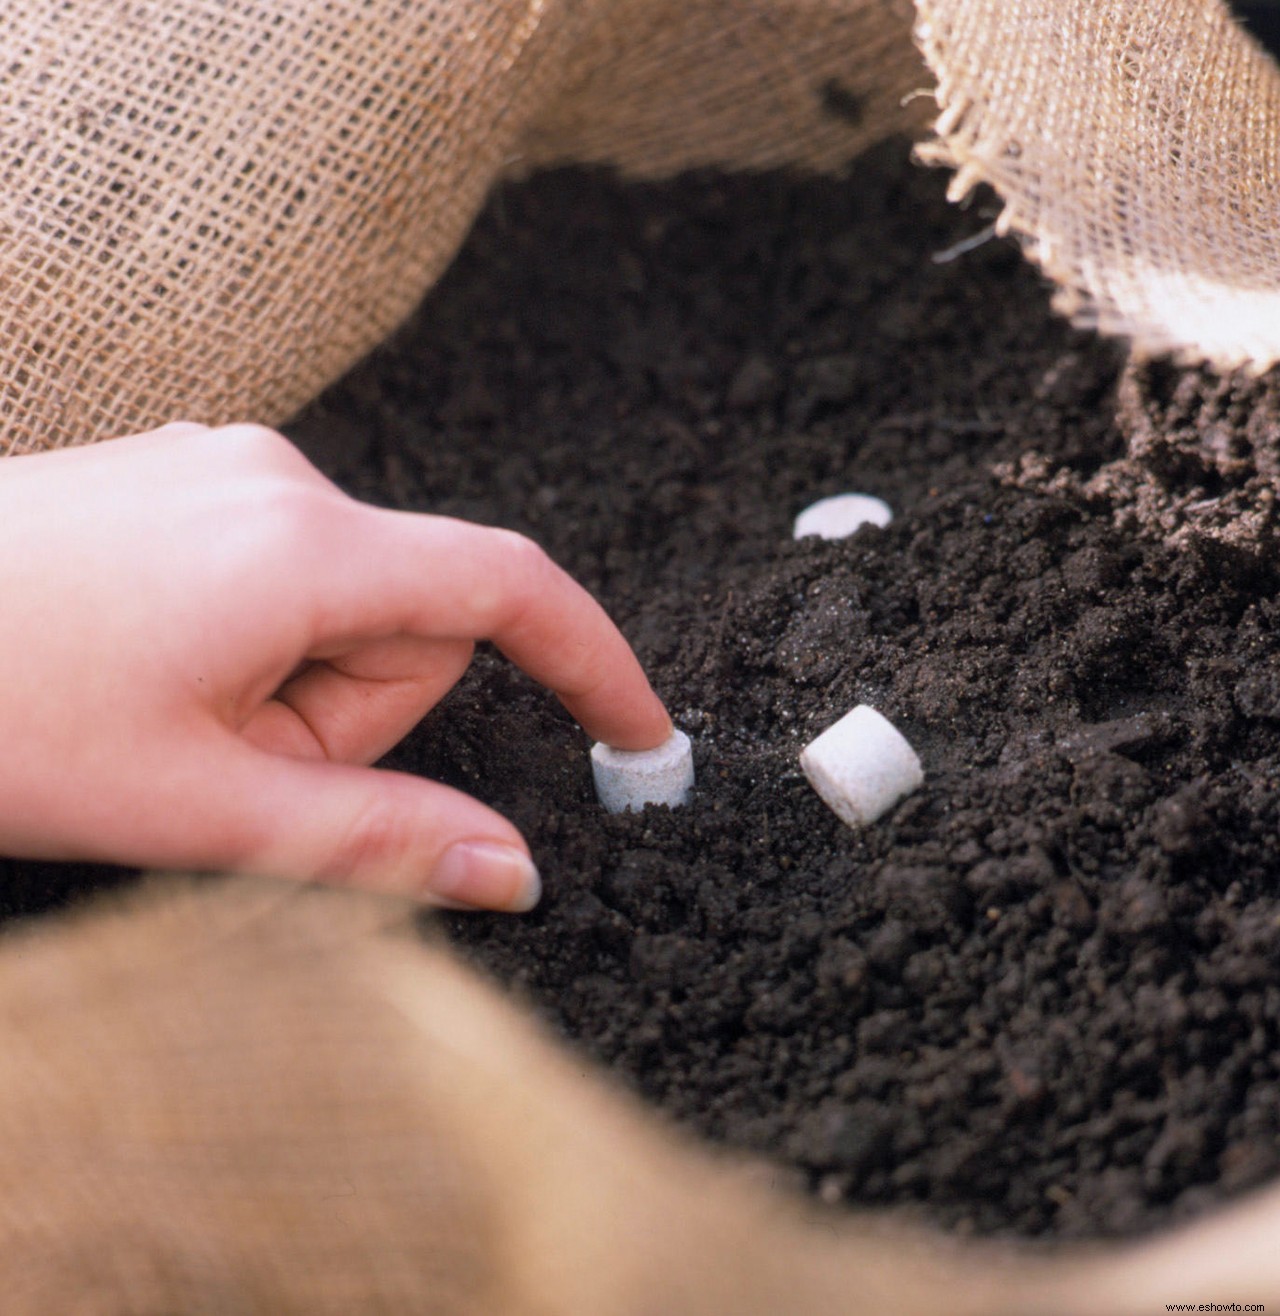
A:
211	208
1137	150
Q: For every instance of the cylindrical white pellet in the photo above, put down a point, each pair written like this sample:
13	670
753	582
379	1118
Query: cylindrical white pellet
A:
841	515
862	766
630	779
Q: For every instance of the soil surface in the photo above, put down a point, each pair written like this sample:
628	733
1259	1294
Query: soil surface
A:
1040	995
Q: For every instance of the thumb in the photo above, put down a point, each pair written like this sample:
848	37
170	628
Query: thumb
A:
369	828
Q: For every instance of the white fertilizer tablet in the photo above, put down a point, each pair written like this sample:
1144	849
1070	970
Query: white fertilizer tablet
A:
630	779
862	766
841	515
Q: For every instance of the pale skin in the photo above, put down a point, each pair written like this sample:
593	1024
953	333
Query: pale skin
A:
204	643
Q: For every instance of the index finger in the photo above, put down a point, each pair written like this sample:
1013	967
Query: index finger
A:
443	578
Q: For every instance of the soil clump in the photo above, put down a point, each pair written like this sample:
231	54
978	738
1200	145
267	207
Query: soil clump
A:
1040	996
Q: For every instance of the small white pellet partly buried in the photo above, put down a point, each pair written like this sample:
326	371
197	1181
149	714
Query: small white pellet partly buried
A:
630	779
862	766
841	515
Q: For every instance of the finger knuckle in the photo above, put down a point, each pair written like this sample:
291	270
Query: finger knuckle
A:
527	565
259	448
377	840
179	428
521	549
299	516
253	437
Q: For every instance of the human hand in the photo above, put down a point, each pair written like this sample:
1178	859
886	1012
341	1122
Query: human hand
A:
203	642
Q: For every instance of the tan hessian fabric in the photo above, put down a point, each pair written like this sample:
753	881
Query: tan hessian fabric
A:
209	209
1136	144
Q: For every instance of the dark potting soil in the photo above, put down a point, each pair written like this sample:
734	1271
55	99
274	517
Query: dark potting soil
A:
1039	996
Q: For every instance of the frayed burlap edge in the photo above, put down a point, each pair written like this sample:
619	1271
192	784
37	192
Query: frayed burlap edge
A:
1136	151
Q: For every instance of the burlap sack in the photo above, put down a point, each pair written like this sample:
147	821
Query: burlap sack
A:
1137	149
211	208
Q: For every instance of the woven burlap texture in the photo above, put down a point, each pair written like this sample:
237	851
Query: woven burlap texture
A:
209	209
1137	149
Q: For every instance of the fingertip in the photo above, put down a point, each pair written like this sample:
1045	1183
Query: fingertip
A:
650	727
485	874
663	725
370	828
